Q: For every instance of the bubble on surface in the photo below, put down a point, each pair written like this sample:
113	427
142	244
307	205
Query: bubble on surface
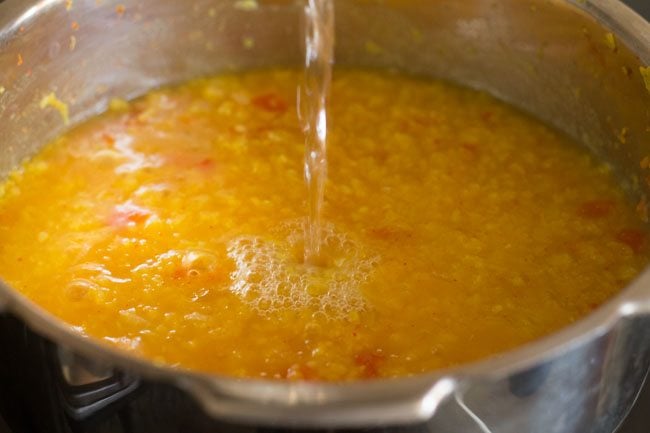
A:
91	282
177	263
270	275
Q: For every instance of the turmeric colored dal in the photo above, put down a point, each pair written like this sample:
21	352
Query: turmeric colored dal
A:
456	228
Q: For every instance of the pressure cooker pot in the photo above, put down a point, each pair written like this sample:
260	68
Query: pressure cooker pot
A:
578	65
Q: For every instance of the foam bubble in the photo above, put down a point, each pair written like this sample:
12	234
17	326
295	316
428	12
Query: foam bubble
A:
270	276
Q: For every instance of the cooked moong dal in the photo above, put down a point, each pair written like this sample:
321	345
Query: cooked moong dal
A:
457	228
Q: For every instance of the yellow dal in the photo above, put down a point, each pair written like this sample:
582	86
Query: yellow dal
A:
457	228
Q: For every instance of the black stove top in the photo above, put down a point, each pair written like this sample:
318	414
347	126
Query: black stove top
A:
639	420
3	426
641	6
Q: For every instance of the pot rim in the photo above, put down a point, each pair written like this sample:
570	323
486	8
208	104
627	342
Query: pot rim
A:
386	401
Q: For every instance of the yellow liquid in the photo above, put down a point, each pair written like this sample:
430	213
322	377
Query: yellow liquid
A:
455	228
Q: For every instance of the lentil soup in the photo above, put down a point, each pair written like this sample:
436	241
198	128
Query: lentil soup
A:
455	228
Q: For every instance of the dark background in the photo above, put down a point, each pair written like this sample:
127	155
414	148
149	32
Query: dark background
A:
641	6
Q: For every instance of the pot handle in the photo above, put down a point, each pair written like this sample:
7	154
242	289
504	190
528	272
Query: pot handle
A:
86	387
321	405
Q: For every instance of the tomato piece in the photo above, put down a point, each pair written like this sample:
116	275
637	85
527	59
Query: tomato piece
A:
390	234
472	148
128	214
179	273
370	362
187	161
487	116
301	372
271	102
206	164
594	209
633	238
108	138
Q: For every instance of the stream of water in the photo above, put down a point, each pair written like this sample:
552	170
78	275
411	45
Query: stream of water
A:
313	98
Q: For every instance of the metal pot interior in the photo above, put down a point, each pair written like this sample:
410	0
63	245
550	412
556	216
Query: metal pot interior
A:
548	58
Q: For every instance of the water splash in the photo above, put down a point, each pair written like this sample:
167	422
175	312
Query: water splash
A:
268	277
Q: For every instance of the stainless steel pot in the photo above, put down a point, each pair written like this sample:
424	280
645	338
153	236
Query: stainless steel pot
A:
572	63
